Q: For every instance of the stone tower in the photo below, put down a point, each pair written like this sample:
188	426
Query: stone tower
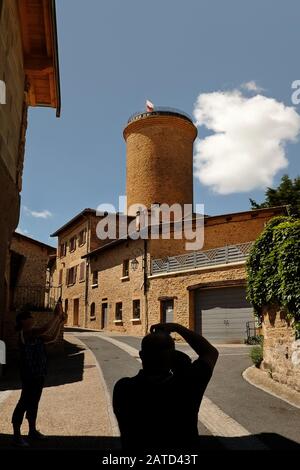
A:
159	164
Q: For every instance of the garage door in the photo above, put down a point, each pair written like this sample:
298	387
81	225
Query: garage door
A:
221	314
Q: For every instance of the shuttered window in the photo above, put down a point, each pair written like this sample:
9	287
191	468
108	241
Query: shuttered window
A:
71	276
118	313
60	277
95	278
126	268
73	244
82	237
136	307
82	272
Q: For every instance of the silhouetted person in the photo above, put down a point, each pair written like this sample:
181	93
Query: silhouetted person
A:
33	365
158	408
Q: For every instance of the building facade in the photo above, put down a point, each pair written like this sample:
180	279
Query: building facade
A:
29	76
140	282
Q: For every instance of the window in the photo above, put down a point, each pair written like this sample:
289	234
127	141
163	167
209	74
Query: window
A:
82	271
71	275
93	311
126	268
136	309
60	277
167	311
62	250
118	313
73	244
82	237
66	305
95	278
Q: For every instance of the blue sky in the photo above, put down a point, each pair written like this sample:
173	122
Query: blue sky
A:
114	54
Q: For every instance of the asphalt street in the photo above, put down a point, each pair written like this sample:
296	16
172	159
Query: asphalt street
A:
273	421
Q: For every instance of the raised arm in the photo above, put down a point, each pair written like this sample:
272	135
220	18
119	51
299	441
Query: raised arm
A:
205	350
51	324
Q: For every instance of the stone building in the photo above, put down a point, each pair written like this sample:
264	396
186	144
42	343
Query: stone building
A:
138	283
27	273
29	76
125	285
70	273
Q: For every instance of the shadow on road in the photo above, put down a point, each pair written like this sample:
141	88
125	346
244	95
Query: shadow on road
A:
65	367
272	441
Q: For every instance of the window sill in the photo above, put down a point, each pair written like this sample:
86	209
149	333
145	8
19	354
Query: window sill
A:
135	319
124	278
93	286
70	285
93	318
82	280
118	321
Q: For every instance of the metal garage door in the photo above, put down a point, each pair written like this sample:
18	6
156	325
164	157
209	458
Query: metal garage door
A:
221	314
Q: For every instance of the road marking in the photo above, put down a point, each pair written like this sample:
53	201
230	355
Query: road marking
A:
111	415
210	415
222	425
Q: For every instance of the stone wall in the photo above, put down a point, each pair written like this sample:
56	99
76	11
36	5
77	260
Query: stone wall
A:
12	135
37	255
281	351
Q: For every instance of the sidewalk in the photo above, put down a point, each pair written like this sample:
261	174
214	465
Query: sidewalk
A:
74	409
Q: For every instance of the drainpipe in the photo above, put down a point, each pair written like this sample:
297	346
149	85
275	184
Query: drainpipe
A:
88	245
146	286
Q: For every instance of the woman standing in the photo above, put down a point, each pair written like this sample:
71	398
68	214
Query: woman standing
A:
33	361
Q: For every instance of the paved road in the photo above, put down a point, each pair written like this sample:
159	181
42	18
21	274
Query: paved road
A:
232	406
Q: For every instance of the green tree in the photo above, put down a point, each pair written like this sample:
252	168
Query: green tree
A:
287	194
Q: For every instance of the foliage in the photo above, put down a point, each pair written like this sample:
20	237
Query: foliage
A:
258	339
287	194
273	269
256	355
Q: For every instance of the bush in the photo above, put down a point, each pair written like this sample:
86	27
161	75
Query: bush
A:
258	339
256	355
273	269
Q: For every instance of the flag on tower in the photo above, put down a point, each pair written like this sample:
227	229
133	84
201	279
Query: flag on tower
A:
149	106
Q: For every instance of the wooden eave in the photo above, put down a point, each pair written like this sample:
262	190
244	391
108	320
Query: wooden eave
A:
40	52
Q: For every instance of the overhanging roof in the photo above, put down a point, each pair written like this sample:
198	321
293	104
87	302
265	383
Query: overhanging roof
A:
40	52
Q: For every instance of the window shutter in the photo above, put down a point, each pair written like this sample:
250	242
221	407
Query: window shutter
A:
75	273
60	277
82	273
67	276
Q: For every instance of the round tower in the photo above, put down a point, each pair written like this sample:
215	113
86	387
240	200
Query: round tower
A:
159	161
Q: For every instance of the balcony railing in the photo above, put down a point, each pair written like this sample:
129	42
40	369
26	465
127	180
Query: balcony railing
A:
198	259
35	297
159	110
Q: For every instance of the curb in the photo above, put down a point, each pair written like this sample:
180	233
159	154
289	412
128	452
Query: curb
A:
260	380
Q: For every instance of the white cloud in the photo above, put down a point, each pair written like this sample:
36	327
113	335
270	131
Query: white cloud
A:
22	232
45	214
247	147
251	86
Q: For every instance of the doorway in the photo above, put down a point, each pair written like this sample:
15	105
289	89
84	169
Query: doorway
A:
76	312
104	314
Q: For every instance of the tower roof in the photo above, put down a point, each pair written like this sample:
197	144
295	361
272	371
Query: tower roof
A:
159	111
